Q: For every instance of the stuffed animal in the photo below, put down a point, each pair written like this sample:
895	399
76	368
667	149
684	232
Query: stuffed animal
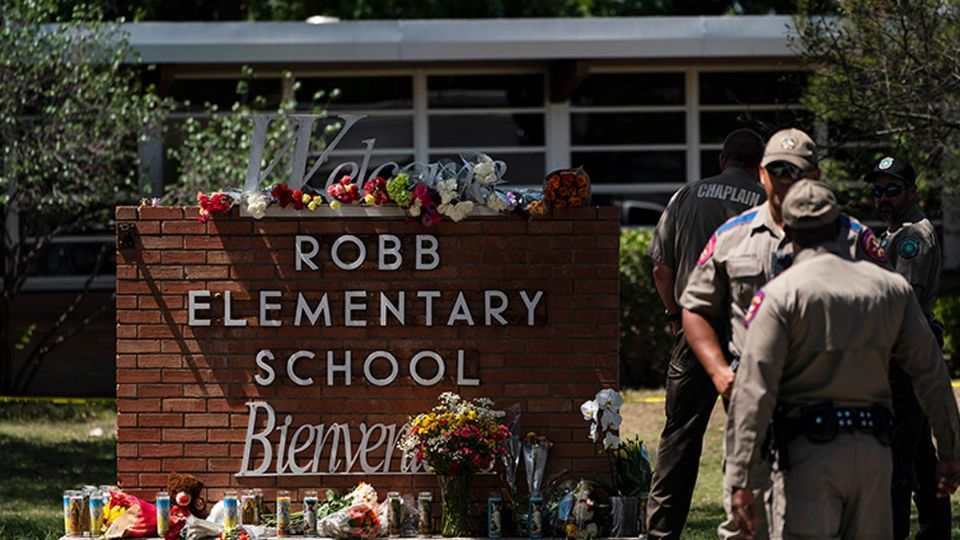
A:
185	501
185	492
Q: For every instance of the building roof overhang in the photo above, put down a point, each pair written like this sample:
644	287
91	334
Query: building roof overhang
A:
462	40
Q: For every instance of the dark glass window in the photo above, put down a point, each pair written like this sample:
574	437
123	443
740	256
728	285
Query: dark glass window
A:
752	87
716	125
633	167
223	92
356	92
457	91
486	130
631	89
627	128
75	258
522	169
709	163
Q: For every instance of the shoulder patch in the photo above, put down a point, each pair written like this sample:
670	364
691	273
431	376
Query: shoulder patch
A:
853	224
708	250
908	247
872	247
754	306
745	217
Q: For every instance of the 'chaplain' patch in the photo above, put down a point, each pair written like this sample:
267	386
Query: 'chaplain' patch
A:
908	247
754	306
872	247
708	250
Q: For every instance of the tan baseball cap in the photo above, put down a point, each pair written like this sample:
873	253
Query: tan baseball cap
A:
808	205
794	147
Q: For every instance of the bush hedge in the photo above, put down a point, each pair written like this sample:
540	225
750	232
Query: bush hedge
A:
645	339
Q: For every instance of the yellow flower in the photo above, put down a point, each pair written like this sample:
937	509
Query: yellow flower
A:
306	198
369	198
335	204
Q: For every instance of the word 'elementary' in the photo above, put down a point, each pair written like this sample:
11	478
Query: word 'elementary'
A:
315	308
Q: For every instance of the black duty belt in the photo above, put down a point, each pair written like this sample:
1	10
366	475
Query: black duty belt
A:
822	422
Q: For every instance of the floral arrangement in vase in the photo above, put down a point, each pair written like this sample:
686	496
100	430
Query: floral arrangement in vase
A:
456	439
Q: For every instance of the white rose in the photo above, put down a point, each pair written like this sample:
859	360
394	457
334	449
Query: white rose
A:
495	203
257	205
415	208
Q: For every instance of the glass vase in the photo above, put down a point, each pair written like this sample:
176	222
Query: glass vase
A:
455	500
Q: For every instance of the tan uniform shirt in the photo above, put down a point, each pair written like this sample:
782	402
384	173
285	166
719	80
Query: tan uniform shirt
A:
914	252
825	331
745	253
694	212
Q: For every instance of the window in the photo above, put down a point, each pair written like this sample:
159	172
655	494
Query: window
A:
501	115
764	101
628	130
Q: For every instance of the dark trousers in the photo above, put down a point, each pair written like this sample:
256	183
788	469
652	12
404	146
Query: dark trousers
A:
914	467
690	400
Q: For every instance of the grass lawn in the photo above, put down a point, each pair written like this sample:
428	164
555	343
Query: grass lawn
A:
47	449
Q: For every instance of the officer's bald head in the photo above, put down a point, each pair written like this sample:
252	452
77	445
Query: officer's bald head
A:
742	148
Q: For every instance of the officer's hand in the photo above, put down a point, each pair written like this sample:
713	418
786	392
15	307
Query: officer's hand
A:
741	499
948	478
723	381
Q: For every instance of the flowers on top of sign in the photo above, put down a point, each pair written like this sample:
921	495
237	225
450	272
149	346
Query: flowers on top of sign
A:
427	193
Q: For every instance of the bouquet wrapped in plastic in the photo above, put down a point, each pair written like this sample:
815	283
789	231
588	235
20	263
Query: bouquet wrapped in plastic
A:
361	519
127	516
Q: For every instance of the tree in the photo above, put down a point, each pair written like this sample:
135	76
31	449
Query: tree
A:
71	114
215	146
299	10
886	77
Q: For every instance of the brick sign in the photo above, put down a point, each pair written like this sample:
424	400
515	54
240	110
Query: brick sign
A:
289	352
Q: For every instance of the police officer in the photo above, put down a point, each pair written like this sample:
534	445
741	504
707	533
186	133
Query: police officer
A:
914	251
820	341
691	216
741	256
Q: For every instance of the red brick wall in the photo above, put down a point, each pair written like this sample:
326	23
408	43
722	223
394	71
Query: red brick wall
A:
182	389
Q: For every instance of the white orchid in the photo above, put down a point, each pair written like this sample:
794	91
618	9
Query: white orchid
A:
610	421
257	205
594	434
589	410
609	399
611	441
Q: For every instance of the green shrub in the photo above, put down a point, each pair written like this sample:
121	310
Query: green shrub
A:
645	338
947	311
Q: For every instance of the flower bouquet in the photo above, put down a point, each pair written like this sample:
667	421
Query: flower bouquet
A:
456	439
359	519
567	188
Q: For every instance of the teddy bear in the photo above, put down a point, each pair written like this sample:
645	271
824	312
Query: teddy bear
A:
185	492
185	500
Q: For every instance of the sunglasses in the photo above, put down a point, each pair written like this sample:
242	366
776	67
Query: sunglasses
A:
785	170
891	190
